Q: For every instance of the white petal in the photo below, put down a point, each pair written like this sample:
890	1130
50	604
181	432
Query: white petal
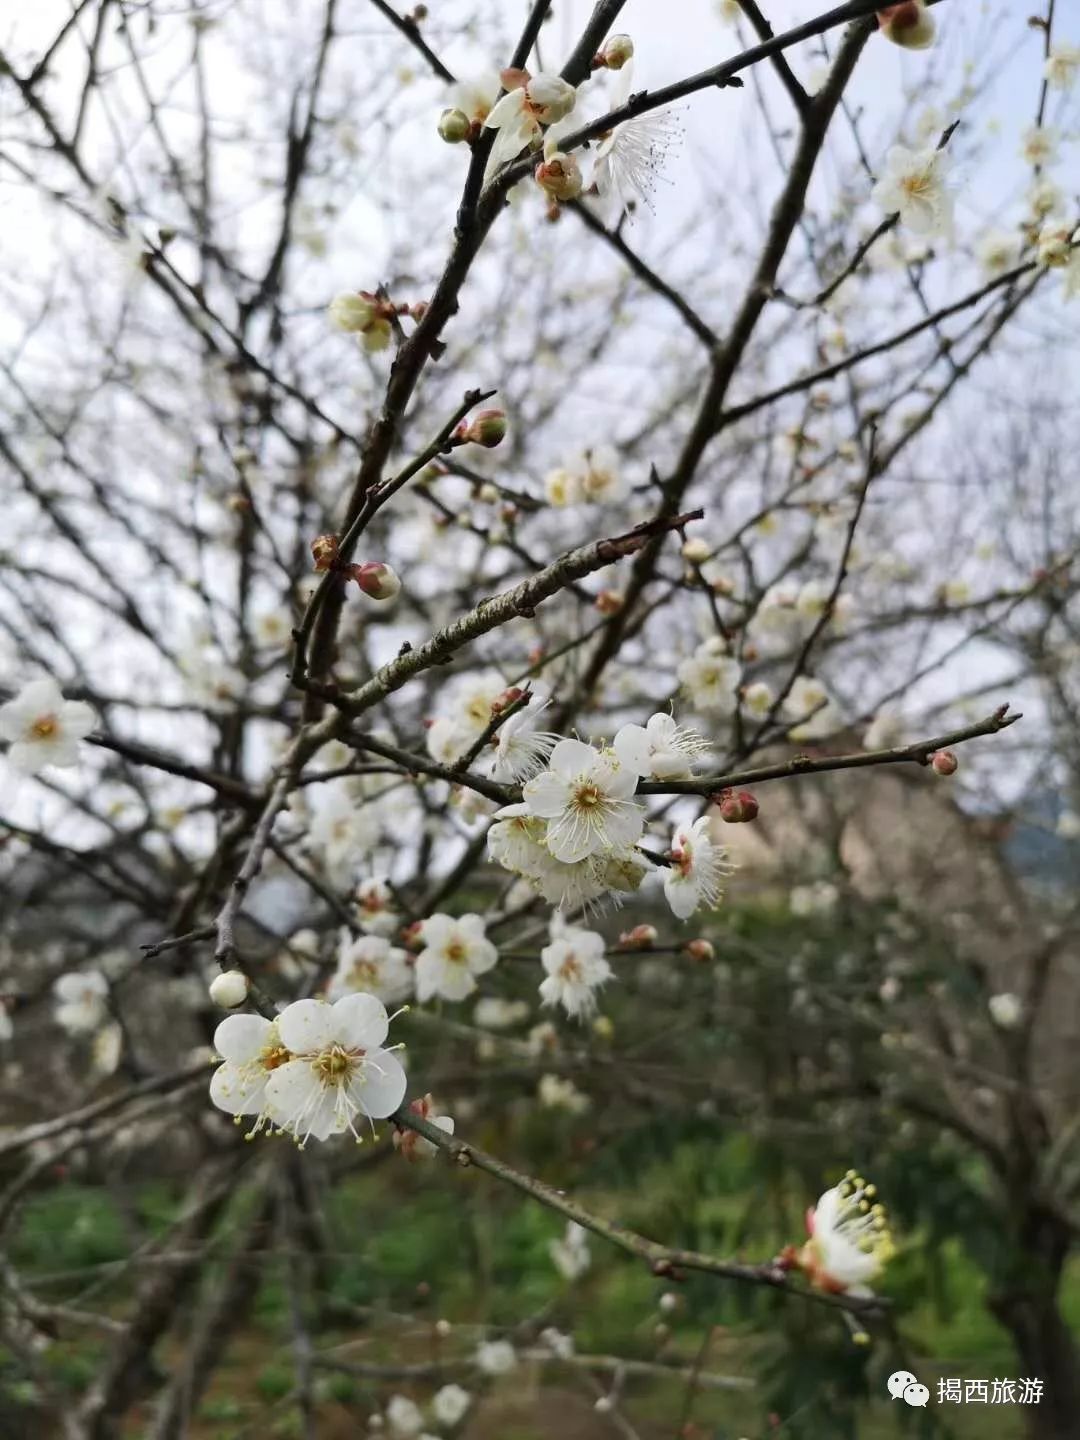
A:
547	795
380	1086
237	1090
361	1021
306	1025
632	747
240	1038
571	758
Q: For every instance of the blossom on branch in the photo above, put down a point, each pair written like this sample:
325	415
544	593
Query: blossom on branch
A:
42	728
531	102
850	1242
456	951
698	869
914	186
585	796
576	968
660	749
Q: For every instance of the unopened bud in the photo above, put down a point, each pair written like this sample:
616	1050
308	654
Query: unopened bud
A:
696	551
324	551
229	989
738	806
668	1302
353	311
507	698
559	176
639	938
443	1328
454	126
701	950
608	602
909	24
944	762
488	428
376	579
618	50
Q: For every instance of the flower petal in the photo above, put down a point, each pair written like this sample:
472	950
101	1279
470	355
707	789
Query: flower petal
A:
240	1038
380	1086
306	1025
360	1021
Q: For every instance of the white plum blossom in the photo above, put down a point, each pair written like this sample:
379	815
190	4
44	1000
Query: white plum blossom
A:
710	680
630	155
885	731
449	1405
521	749
405	1418
375	906
660	749
464	712
562	486
496	1357
850	1242
456	950
758	699
576	968
81	1001
516	840
531	103
600	478
1039	145
1062	65
42	728
996	251
370	963
913	184
809	704
342	829
493	1012
697	870
558	1092
337	1072
585	796
251	1050
570	1254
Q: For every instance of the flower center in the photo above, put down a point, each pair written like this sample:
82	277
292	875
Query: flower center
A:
570	969
456	953
44	727
273	1056
917	186
337	1064
364	972
588	796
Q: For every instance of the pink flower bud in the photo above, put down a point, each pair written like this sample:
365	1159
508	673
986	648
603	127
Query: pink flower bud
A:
488	428
701	950
376	579
737	806
909	24
944	762
639	938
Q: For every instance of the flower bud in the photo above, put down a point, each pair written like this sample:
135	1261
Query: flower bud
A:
508	697
696	551
454	126
376	335
352	311
639	938
376	579
618	50
229	989
603	1028
701	950
559	176
668	1302
324	550
1054	245
443	1328
909	24
737	806
944	762
608	602
488	428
